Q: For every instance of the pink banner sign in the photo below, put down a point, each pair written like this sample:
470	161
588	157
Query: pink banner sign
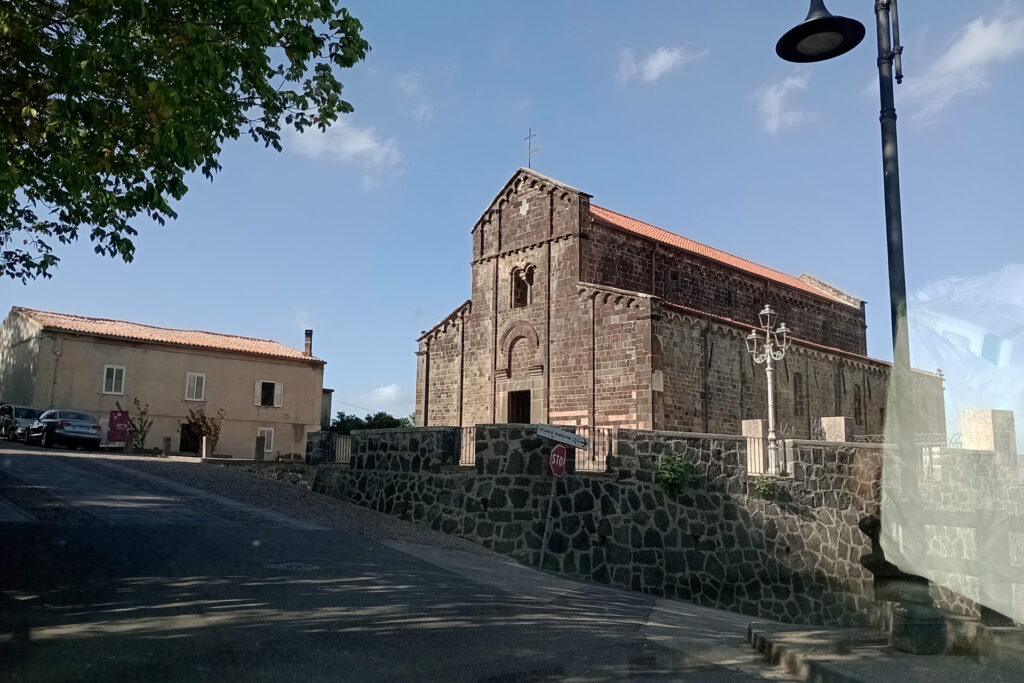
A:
117	428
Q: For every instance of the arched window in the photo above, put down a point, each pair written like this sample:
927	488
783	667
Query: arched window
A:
522	286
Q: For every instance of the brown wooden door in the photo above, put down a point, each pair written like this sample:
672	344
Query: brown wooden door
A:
519	407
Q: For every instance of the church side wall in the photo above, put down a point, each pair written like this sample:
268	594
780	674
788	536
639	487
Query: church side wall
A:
614	258
710	383
443	354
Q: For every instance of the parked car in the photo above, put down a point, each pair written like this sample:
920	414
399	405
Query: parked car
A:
14	419
68	427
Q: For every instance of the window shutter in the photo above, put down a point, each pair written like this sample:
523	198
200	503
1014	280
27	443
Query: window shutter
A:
278	394
256	392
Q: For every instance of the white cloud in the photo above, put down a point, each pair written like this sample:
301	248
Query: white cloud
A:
656	64
390	398
421	109
965	68
372	154
775	106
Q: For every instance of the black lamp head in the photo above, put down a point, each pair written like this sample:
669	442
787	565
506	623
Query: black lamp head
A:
821	36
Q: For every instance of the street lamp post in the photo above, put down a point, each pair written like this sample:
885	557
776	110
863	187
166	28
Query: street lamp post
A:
767	347
917	627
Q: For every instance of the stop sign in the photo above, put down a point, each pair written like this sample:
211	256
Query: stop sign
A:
557	460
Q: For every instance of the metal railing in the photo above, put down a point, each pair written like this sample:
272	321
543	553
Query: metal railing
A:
867	438
761	459
341	449
594	459
467	449
954	440
602	444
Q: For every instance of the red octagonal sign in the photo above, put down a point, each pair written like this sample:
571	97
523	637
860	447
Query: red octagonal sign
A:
557	460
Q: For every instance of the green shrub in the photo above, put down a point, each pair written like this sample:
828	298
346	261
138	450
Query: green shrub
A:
673	475
767	486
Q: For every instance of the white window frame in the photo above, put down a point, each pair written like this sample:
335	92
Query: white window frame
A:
190	384
268	438
115	368
257	394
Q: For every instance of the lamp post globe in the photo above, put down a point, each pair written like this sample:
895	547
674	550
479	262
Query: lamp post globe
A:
821	36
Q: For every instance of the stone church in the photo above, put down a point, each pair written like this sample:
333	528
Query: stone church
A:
580	315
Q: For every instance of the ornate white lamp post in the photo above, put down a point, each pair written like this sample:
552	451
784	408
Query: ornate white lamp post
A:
767	346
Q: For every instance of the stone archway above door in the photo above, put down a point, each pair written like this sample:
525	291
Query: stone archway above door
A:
517	334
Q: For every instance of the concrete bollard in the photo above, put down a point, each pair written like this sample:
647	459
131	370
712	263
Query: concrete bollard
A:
261	445
167	446
203	449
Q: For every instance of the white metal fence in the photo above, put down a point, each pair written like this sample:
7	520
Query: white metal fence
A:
763	459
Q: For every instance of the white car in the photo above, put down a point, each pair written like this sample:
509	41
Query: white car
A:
14	419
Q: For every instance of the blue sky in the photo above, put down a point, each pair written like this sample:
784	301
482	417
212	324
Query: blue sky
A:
677	113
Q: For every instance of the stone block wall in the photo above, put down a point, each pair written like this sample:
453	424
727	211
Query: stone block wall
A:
793	553
423	449
319	447
718	543
708	381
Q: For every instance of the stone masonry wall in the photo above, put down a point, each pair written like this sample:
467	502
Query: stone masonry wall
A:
793	557
615	258
708	382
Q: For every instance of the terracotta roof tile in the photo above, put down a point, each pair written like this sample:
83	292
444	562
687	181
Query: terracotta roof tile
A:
138	332
654	232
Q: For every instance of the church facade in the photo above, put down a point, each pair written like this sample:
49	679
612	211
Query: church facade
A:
582	316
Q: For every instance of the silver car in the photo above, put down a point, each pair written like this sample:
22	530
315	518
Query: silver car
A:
14	419
68	427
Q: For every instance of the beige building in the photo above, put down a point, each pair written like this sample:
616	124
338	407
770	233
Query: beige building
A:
54	360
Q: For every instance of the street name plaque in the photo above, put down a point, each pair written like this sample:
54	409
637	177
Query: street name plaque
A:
568	438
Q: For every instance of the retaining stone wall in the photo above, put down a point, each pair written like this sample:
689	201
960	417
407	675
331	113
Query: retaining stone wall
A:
717	543
795	557
423	449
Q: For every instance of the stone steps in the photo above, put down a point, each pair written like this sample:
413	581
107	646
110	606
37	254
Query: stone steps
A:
856	655
812	654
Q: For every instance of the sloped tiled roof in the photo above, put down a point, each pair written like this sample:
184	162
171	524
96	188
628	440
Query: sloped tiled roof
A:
121	329
661	235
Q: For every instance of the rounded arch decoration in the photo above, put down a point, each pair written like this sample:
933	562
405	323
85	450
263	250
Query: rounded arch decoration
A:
521	332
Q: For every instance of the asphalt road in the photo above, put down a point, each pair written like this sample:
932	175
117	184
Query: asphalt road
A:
108	575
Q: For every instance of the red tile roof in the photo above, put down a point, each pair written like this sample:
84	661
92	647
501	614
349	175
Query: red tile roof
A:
664	236
136	332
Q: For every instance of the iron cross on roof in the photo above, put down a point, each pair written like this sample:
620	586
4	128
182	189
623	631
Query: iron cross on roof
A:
530	149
